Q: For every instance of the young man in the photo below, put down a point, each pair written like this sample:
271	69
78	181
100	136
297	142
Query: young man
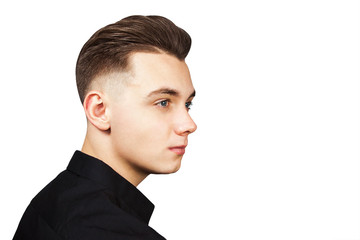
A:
136	91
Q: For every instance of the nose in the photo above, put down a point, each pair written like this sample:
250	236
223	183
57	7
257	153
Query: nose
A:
185	125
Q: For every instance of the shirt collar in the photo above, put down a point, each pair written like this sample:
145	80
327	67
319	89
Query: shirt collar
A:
126	193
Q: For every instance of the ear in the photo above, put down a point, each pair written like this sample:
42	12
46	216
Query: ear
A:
95	110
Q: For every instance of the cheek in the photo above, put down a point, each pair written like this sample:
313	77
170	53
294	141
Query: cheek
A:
140	130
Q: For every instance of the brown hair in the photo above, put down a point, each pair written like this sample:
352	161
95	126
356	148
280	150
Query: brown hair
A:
109	48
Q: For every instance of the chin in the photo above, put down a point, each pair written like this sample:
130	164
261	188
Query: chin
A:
171	168
176	169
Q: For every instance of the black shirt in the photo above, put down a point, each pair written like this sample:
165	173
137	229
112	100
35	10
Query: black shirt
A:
88	200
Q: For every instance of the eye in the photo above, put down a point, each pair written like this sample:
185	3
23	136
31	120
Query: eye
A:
188	105
163	103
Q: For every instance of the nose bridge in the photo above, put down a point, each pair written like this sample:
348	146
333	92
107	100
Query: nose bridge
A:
184	124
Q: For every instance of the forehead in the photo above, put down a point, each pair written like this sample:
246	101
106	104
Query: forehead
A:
159	70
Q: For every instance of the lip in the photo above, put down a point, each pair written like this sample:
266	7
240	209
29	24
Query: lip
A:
179	150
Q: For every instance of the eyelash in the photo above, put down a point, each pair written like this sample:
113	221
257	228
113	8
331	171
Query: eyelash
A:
188	105
167	101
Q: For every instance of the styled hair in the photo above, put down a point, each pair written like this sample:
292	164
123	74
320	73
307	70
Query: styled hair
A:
109	48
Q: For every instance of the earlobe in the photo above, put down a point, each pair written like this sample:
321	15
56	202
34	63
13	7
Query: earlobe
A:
95	110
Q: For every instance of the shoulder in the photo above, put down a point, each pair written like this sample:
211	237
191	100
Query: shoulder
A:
63	199
75	207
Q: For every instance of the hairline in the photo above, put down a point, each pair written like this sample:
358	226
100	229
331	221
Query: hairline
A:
102	80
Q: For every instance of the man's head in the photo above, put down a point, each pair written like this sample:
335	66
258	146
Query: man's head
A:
136	90
109	48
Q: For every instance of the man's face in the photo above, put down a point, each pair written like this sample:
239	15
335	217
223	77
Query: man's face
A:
149	119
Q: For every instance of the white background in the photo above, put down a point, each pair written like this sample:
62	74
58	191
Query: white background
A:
276	153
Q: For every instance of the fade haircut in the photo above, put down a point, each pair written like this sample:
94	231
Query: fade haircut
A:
109	48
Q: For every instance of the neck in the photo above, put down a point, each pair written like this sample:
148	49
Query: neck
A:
99	146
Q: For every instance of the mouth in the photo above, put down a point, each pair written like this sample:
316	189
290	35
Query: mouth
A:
179	150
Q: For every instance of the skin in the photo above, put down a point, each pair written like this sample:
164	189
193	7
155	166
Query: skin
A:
137	127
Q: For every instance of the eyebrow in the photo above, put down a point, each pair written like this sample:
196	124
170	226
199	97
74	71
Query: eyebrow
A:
168	91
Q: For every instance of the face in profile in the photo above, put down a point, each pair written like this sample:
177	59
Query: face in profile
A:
150	121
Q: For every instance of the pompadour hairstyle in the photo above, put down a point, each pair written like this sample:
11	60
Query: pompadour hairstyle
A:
108	49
